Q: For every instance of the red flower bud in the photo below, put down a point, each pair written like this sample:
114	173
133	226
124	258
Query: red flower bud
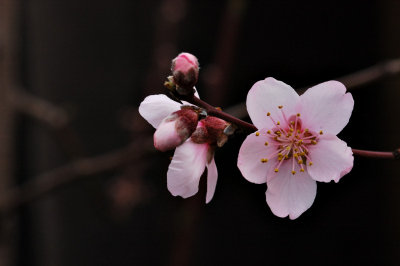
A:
185	70
211	130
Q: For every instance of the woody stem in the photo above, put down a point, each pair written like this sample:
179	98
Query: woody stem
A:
251	128
211	110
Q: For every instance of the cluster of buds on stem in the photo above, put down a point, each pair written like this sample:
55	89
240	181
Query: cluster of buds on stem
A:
190	121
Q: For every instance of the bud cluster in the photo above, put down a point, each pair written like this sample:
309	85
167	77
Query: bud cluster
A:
188	122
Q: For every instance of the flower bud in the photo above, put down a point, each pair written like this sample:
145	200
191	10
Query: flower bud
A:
185	70
211	130
175	129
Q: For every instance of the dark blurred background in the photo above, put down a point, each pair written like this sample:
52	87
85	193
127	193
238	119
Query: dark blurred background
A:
89	64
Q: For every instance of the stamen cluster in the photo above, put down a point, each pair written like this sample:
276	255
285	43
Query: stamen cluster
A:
291	141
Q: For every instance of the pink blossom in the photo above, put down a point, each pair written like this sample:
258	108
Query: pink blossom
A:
190	159
296	144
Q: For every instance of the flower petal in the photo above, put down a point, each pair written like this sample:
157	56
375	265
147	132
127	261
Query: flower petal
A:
155	108
166	136
212	176
265	96
331	158
251	152
289	194
186	168
326	107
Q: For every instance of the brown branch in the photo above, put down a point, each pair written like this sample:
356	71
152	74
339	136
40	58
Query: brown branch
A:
251	128
50	181
378	154
218	113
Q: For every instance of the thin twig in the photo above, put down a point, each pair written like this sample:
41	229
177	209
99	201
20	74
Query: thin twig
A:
377	154
218	113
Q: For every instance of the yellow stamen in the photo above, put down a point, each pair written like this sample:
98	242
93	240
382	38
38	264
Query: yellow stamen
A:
266	143
298	114
278	123
268	114
264	160
300	161
293	172
269	131
295	155
310	163
301	170
280	106
321	132
276	170
313	142
257	134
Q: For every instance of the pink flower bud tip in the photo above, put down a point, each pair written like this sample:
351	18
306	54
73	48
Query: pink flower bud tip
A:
175	129
185	70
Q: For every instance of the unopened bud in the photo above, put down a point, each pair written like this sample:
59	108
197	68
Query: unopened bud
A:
185	70
175	129
211	130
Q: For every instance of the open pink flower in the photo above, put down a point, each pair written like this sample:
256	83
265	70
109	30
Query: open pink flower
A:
296	144
190	159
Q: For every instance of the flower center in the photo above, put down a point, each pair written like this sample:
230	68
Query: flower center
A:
291	142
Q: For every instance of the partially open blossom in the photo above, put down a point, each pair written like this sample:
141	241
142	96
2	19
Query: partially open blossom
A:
185	70
190	158
175	129
296	143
